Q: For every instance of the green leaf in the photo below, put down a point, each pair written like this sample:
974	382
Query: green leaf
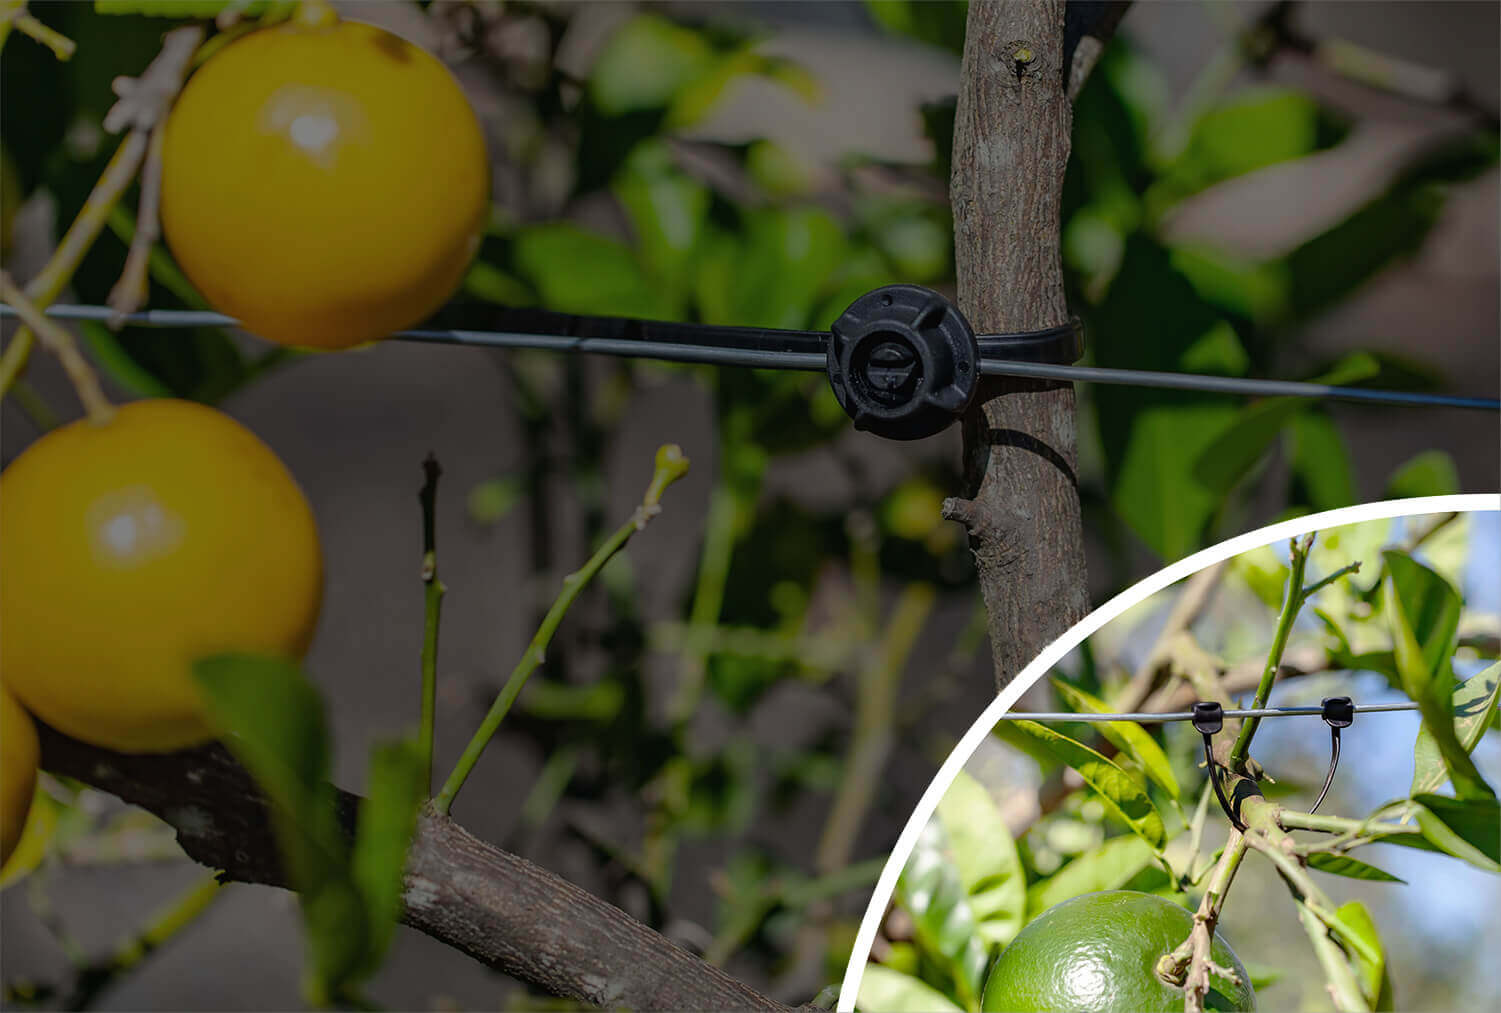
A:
576	271
1108	867
890	991
667	210
387	821
1127	736
1422	611
943	922
1431	473
984	855
1263	976
1123	796
645	63
1375	978
936	22
1237	450
1257	128
1156	492
490	284
771	275
274	723
1474	709
1321	462
1344	865
1467	829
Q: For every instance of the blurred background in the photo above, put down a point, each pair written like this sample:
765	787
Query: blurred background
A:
1433	926
731	730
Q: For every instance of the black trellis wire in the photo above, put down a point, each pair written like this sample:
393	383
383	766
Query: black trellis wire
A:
1209	717
902	360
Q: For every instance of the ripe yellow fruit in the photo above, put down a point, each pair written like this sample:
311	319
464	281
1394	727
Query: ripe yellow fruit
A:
130	549
325	185
19	755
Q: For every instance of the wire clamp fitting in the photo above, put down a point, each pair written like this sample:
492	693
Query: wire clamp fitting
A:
905	363
1208	719
1338	712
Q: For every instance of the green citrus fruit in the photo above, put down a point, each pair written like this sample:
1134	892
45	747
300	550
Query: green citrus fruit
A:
1097	953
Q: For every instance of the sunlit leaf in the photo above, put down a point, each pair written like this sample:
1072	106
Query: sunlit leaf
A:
1467	829
930	890
1122	795
1344	865
883	989
1108	867
1127	736
984	855
1375	977
1422	611
1474	709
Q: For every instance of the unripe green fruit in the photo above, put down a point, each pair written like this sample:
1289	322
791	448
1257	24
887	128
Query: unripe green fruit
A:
1098	952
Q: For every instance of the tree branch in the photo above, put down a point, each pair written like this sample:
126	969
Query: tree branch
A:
1088	26
1011	146
498	908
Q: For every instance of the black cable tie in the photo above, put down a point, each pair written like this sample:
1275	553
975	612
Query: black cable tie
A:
1208	719
1338	712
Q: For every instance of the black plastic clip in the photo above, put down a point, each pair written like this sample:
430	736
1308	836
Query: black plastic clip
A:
1338	712
905	363
1208	719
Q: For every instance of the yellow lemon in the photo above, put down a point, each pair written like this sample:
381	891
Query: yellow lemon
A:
19	755
131	548
326	185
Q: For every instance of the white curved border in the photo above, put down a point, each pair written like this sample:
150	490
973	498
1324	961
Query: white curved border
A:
1055	652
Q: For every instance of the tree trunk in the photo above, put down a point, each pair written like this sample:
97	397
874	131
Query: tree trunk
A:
1011	145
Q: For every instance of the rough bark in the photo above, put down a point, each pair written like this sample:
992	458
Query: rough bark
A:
1011	146
497	907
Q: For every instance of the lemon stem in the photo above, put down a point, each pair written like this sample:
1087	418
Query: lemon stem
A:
432	596
61	344
670	466
15	15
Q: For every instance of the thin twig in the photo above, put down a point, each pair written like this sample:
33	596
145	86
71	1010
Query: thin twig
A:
432	607
670	466
1192	962
61	344
1292	601
16	16
874	732
130	291
1191	601
95	978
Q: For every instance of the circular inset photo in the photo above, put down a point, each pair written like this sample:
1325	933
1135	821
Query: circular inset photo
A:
1264	778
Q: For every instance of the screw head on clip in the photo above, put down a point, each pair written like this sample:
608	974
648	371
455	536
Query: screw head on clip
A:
1209	717
1339	711
903	361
